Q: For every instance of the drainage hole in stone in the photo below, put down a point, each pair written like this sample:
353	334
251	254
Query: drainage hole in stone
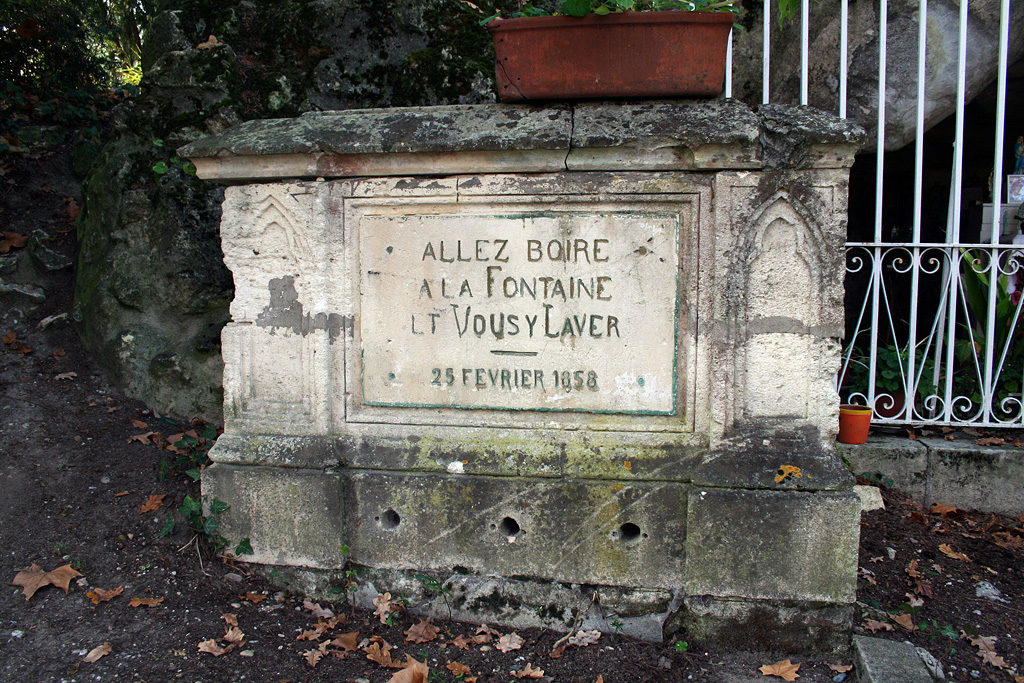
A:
509	527
629	532
390	519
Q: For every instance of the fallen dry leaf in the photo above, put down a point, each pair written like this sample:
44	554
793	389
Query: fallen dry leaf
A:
9	338
230	619
379	651
152	503
71	209
990	441
347	641
312	657
458	668
97	652
139	424
34	578
12	240
65	376
463	642
528	672
423	632
316	610
585	638
384	607
950	553
904	620
876	626
413	672
211	647
512	641
943	509
785	670
841	668
923	587
208	43
98	595
993	659
144	439
254	597
144	602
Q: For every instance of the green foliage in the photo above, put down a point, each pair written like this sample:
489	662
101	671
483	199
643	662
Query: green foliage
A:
205	527
878	478
948	630
50	48
192	454
432	585
681	646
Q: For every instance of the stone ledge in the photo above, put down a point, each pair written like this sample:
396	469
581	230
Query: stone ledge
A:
964	474
495	138
888	661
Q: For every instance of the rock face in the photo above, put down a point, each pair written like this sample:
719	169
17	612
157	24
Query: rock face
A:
152	292
901	62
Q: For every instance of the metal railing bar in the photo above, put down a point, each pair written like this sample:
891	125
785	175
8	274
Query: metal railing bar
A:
805	29
766	58
728	66
844	35
883	30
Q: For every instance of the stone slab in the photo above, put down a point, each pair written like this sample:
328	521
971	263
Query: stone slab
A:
513	307
594	532
663	135
792	626
290	516
967	475
959	473
772	545
888	661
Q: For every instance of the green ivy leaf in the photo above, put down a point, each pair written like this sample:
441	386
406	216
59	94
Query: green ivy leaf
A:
243	547
576	8
160	168
217	507
167	529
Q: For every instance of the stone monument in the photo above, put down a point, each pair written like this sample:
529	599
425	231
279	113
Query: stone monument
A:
561	358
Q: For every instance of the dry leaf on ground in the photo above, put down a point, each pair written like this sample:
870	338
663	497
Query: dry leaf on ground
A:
785	670
34	578
904	620
230	619
138	424
528	672
876	626
423	632
144	602
460	669
948	551
384	607
152	503
211	647
991	441
347	641
943	509
312	657
463	641
841	668
413	672
97	652
12	240
98	595
513	641
208	43
65	376
254	597
585	638
316	610
380	651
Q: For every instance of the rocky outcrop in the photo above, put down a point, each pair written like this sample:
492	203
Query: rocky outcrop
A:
152	291
901	62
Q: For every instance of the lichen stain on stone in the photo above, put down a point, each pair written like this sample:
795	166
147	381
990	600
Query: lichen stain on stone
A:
285	312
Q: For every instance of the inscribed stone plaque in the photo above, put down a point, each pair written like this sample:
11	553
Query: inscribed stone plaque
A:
515	307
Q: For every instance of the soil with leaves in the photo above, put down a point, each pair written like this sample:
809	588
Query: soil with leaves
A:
112	572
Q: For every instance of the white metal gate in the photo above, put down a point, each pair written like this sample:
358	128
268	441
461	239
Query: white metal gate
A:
938	322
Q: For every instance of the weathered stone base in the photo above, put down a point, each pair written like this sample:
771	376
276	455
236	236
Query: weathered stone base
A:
790	626
743	568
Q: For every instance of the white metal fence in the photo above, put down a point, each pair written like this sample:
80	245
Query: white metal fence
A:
937	335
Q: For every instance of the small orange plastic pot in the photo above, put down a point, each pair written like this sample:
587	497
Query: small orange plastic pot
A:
854	422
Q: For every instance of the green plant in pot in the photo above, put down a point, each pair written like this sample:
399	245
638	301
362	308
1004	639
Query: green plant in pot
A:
891	378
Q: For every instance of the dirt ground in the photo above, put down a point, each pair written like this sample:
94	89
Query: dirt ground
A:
75	473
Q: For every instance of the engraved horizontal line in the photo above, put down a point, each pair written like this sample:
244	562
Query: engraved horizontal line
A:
498	352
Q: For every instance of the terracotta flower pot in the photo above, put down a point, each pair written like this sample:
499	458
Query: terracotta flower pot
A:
854	422
634	54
